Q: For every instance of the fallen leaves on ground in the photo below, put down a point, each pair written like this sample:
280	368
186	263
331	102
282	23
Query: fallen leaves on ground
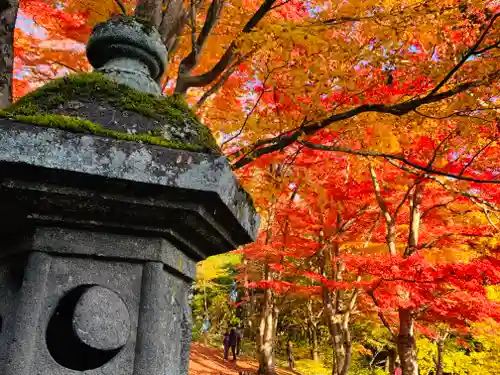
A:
210	361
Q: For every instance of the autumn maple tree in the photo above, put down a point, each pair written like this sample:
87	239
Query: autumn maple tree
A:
415	248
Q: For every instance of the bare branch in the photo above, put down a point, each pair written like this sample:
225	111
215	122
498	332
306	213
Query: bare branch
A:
249	114
486	214
440	205
487	48
174	17
192	16
389	219
213	15
223	78
184	82
434	155
462	113
121	6
408	191
281	4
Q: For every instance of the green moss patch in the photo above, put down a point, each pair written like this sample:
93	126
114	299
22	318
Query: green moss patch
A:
36	107
78	125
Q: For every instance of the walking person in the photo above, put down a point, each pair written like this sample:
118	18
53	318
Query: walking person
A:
289	354
226	345
397	370
233	339
239	338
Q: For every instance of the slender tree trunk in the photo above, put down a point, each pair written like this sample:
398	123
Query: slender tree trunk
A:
415	216
8	16
440	353
313	340
248	315
406	344
347	347
390	222
266	334
312	331
337	309
206	313
340	337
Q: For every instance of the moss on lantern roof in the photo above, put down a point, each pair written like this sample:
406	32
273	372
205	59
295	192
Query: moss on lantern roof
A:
38	108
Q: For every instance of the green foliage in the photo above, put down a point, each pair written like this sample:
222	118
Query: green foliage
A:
35	108
211	299
310	367
427	352
480	357
360	363
215	267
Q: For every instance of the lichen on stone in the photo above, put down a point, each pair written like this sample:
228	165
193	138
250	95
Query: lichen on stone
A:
176	126
146	25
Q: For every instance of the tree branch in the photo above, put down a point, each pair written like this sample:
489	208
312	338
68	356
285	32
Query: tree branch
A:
149	11
381	314
270	145
396	157
184	82
465	57
121	6
213	15
223	78
477	154
174	17
466	194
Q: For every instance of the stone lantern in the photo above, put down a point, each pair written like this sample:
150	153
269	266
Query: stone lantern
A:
109	196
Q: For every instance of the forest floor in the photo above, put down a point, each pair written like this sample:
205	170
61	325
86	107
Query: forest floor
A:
209	361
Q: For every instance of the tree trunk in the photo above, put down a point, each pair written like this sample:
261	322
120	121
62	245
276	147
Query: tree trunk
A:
347	342
439	362
312	331
338	339
440	353
313	340
337	312
415	216
266	334
390	223
149	11
406	344
8	16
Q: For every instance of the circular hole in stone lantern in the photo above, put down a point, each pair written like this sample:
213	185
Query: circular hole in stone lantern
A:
89	327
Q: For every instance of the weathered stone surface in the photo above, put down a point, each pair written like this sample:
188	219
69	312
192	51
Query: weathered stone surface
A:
98	254
35	348
101	319
164	314
109	245
192	199
128	51
96	104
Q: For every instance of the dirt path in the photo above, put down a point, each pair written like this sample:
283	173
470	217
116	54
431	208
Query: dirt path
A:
209	361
